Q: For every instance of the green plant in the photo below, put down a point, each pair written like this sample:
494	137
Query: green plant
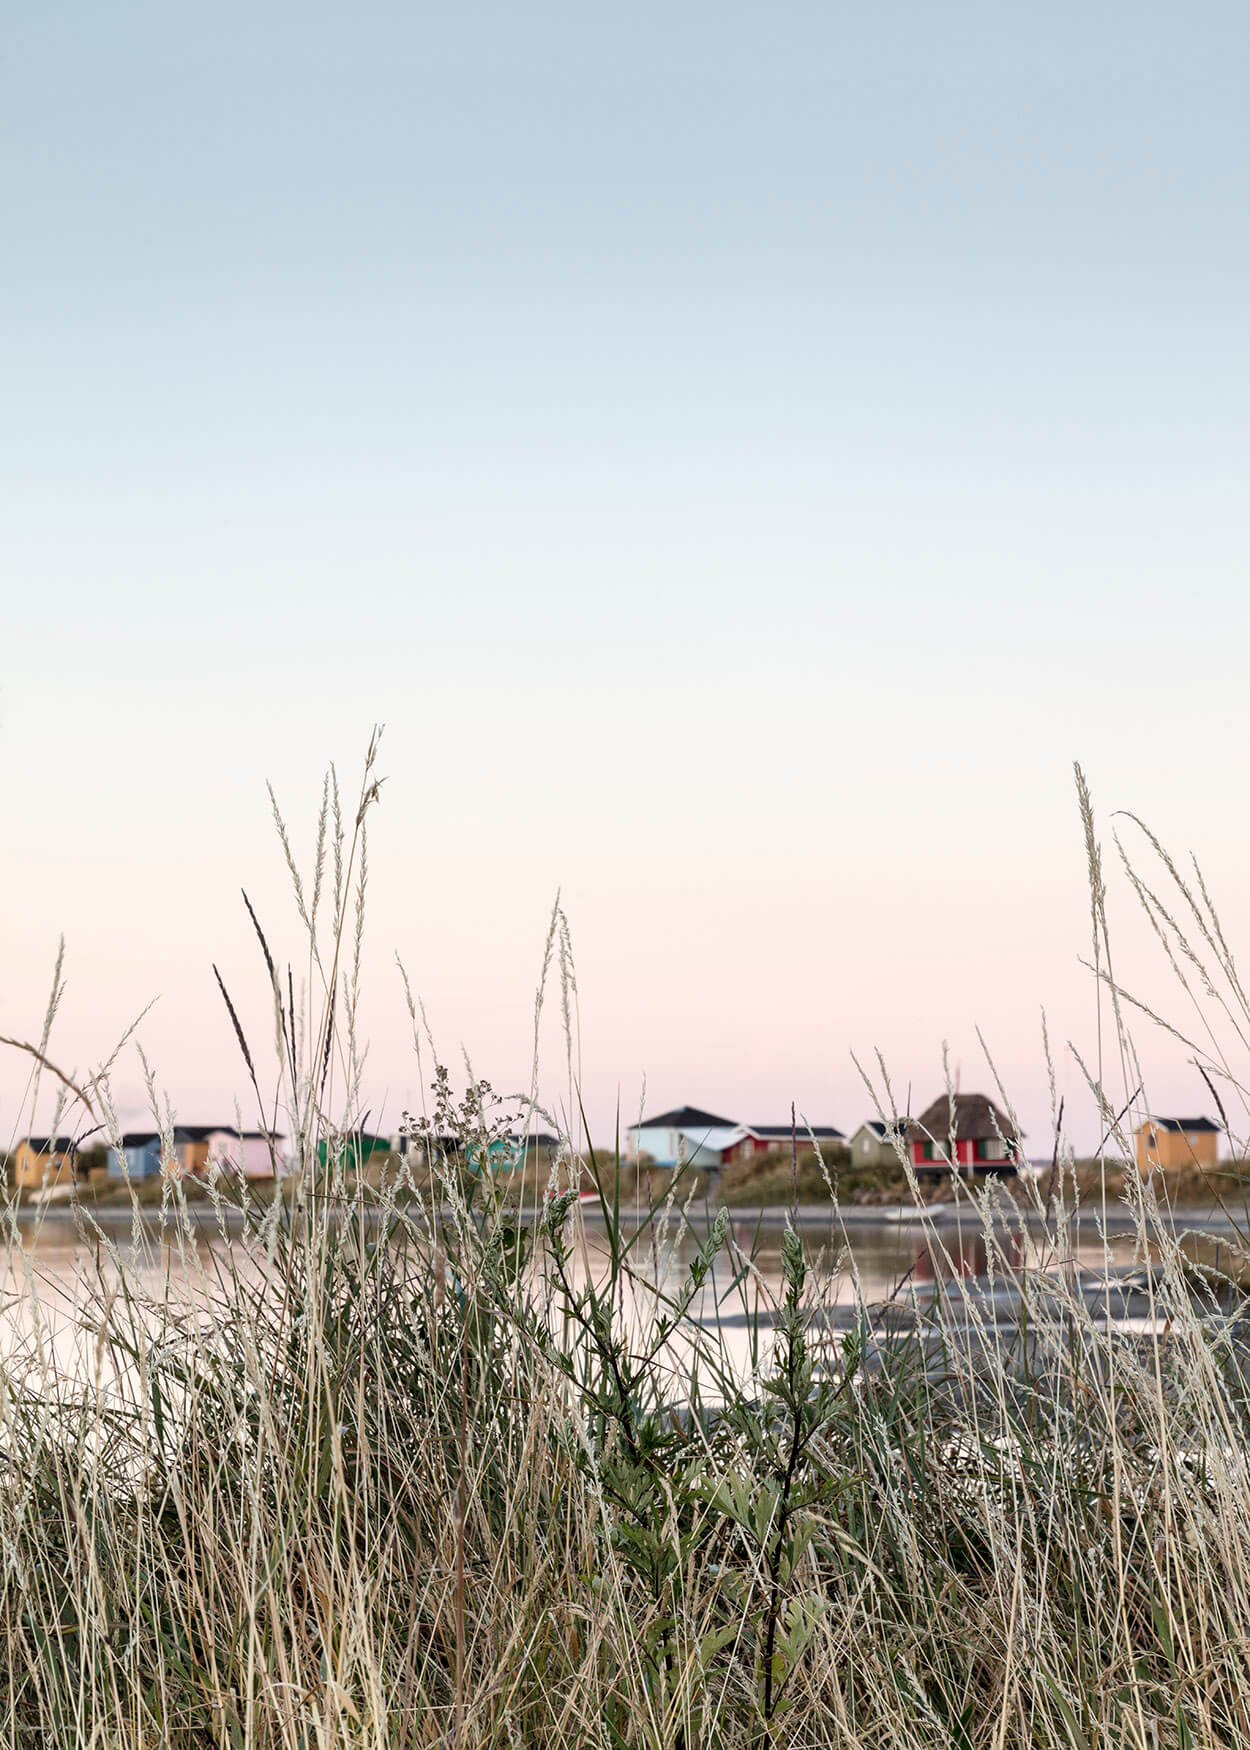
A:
460	1459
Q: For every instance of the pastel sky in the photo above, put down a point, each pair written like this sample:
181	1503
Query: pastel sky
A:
743	454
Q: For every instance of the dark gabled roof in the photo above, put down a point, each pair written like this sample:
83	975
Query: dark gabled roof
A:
535	1139
822	1132
685	1118
883	1129
1181	1124
51	1145
201	1133
181	1133
976	1119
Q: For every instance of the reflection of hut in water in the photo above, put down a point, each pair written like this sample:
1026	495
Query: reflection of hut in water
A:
965	1133
949	1256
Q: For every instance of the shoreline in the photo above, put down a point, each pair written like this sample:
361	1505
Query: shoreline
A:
808	1216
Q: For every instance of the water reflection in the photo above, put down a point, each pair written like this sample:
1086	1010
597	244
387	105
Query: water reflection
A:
964	1255
53	1285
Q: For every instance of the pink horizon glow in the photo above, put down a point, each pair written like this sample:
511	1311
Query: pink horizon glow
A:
737	987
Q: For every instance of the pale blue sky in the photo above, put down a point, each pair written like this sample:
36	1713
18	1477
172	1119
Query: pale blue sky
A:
743	454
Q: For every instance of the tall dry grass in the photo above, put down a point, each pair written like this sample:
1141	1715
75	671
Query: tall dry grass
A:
444	1466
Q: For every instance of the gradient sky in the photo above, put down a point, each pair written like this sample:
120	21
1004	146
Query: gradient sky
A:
743	454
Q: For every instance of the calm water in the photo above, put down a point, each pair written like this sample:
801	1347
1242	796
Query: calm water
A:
53	1286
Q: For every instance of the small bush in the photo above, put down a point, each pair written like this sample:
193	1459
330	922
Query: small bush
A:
437	1463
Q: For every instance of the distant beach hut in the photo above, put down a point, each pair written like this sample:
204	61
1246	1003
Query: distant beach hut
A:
689	1137
872	1145
1177	1142
190	1148
139	1156
964	1132
251	1154
43	1160
508	1154
687	1134
769	1138
353	1151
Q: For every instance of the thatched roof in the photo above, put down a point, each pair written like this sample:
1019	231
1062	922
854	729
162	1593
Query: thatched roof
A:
976	1119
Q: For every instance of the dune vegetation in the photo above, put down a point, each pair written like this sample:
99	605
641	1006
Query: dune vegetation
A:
459	1462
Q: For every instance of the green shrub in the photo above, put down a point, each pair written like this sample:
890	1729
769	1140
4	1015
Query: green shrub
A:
455	1463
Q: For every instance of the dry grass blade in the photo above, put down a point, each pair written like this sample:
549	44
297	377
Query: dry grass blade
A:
236	1023
46	1063
394	1464
260	937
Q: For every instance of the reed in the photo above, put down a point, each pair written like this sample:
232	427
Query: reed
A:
456	1460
